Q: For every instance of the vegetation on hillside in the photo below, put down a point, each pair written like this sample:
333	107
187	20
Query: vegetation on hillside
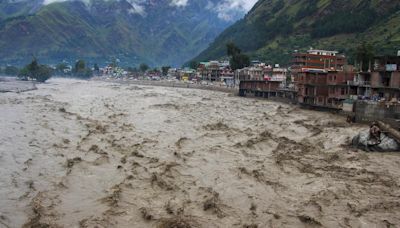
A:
273	29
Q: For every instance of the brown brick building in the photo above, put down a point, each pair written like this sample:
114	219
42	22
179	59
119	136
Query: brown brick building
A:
321	78
260	88
318	60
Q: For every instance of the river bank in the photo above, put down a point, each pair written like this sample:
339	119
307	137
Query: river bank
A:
102	154
174	84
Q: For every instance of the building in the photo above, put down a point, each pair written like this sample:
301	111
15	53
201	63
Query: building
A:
216	71
380	82
173	73
318	60
321	78
187	74
385	77
250	73
338	88
262	80
202	70
259	88
276	74
312	87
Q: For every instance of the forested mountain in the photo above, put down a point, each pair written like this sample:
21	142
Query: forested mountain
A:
157	32
273	29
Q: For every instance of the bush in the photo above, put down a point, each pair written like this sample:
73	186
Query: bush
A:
35	71
81	71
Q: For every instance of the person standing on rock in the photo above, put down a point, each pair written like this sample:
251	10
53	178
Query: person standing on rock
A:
374	134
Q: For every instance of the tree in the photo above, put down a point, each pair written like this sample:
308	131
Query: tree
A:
33	68
81	71
232	49
80	66
96	69
237	59
364	56
23	74
35	71
61	67
165	70
193	65
143	67
44	73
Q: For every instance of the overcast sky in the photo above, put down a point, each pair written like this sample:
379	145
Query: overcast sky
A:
224	8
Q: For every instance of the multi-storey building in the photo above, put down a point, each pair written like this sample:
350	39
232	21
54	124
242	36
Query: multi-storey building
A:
380	82
318	60
212	70
261	80
321	78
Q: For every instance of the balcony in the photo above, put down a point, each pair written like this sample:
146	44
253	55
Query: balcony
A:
387	67
359	83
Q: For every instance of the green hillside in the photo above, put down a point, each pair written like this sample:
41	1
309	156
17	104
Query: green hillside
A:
105	29
274	28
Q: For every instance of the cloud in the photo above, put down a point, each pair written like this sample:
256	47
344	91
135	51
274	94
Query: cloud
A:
136	4
179	3
227	9
46	2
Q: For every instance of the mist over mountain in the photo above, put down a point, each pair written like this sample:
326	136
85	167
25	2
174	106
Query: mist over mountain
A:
157	32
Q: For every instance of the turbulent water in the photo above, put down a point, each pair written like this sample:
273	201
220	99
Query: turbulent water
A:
96	154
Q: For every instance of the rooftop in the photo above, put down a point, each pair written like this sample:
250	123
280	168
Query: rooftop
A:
322	52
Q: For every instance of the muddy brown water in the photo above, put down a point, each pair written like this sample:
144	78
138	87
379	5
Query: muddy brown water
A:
95	154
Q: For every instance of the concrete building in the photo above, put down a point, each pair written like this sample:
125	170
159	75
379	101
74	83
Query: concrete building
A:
321	77
318	60
214	70
380	82
262	80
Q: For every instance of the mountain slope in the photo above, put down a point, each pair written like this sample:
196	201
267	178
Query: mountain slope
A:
274	28
15	8
155	32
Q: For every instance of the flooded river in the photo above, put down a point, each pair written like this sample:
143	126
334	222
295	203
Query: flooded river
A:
96	154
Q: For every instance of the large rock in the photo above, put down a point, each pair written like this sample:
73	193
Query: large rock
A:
363	141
